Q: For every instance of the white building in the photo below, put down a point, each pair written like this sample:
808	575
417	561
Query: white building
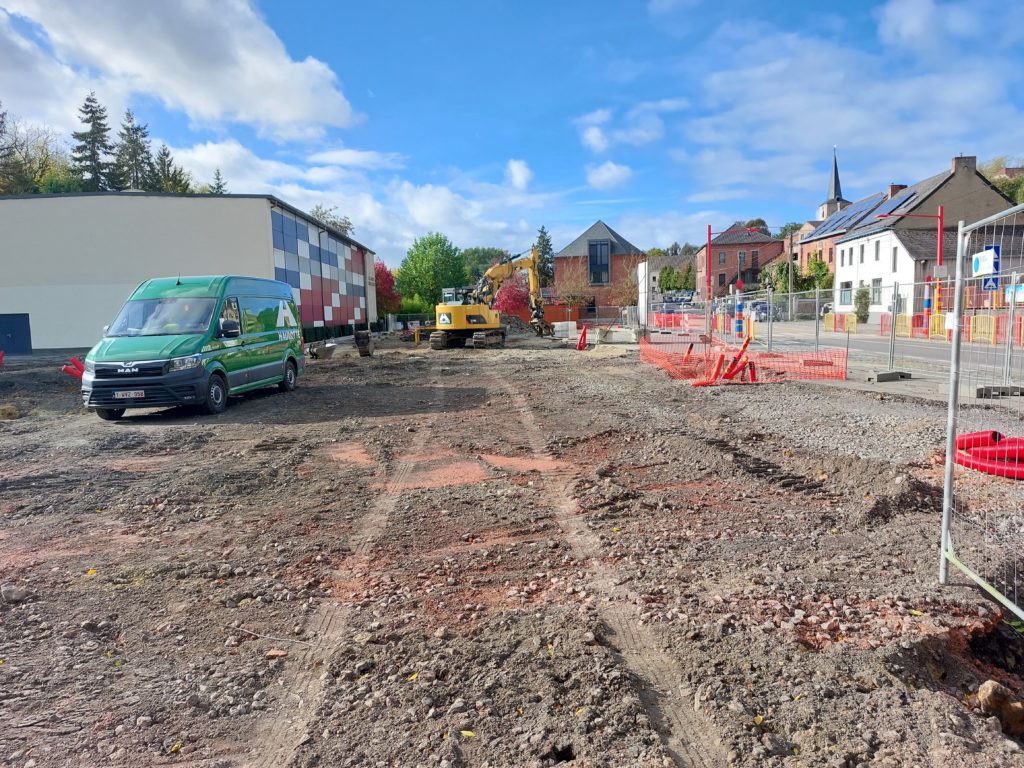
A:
894	248
69	261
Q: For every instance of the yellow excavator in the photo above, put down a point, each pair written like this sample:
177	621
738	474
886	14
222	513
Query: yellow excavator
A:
464	317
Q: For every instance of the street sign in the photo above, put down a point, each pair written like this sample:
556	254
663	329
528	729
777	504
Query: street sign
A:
991	260
990	283
985	262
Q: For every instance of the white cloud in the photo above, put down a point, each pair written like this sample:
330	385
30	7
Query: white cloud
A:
518	174
359	158
659	230
607	175
642	124
594	138
769	117
214	61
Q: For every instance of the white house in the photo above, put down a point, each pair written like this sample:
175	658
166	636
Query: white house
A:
889	247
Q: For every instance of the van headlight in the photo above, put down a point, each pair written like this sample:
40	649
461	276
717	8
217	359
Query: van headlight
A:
184	363
90	366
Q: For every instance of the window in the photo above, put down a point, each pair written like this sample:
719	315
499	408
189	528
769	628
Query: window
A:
842	258
829	255
230	312
753	258
846	292
259	314
721	278
878	250
742	257
862	253
721	257
599	262
894	252
876	291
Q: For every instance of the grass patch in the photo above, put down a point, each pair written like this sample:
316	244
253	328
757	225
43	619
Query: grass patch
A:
8	412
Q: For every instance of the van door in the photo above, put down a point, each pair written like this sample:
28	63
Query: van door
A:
259	332
232	354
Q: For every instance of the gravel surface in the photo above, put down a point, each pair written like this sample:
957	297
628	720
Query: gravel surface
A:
518	557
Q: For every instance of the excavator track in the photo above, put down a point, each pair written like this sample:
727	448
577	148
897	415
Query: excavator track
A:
438	340
482	339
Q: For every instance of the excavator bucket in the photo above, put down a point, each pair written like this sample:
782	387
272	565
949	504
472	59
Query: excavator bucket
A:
364	343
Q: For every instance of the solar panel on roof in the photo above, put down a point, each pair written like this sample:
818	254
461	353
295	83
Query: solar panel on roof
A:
896	202
850	214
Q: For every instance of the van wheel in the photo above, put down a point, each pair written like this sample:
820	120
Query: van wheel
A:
290	375
216	395
110	414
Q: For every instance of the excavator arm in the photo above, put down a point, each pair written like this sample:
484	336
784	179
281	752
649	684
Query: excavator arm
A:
486	289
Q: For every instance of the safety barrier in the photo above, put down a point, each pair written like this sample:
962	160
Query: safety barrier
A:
937	328
695	361
841	322
983	328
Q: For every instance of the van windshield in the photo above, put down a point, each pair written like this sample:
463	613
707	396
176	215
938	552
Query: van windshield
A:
163	317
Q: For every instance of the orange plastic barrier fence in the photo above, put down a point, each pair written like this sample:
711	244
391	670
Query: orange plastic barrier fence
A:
769	366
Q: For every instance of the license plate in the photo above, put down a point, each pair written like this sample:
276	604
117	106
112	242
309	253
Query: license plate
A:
130	394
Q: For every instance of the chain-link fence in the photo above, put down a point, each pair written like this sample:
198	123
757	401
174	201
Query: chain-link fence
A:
983	519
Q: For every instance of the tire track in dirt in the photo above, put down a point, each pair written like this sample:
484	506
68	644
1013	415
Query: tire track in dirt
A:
278	737
687	736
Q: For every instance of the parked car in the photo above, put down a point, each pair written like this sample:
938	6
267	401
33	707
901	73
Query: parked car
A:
194	341
761	310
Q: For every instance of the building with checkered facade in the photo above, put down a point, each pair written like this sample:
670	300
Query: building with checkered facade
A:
68	262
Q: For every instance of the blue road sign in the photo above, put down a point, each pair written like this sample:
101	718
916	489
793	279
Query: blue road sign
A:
990	283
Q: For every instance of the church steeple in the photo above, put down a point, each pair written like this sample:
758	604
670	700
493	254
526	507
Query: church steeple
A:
835	191
835	200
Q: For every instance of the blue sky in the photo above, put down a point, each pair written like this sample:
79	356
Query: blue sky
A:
486	119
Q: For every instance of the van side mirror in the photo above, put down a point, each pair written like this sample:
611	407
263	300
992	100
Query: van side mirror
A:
105	329
229	329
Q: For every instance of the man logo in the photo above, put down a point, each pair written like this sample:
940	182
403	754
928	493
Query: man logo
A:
128	368
445	318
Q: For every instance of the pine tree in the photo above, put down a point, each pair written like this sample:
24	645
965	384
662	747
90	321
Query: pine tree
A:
170	177
133	160
218	187
545	256
92	150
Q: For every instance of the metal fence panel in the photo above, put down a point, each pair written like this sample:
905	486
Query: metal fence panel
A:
983	507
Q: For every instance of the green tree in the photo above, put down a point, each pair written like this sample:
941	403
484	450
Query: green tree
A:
545	256
414	305
430	265
759	225
60	177
479	258
776	275
133	157
688	278
995	171
789	229
92	149
220	187
862	304
668	278
817	275
329	217
169	176
28	152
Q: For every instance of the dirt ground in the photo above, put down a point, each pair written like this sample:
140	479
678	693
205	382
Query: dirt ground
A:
519	557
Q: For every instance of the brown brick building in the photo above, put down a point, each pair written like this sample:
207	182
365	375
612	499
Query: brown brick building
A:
600	265
736	254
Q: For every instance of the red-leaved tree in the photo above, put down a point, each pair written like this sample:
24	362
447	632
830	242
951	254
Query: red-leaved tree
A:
513	295
388	299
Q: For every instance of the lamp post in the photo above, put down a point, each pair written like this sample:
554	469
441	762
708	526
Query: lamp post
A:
939	269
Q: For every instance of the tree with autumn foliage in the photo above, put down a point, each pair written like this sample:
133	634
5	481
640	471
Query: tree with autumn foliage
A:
513	295
388	300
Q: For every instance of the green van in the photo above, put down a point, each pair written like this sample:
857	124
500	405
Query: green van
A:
194	341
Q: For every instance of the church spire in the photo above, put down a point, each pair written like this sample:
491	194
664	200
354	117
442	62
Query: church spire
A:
835	191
